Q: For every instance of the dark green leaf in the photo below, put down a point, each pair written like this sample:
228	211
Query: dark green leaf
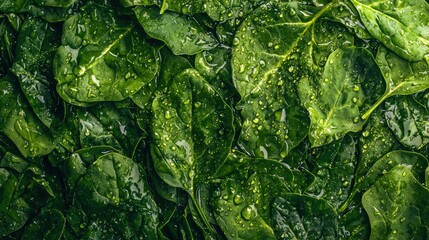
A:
181	33
401	27
47	225
37	43
97	62
397	206
408	120
112	200
337	99
20	124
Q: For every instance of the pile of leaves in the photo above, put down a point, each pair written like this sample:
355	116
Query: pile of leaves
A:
214	119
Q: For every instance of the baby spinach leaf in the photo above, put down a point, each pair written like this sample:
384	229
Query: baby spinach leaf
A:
240	196
400	27
273	120
113	200
415	162
37	43
375	141
183	143
20	124
215	67
336	99
303	217
334	172
187	123
402	77
100	63
354	224
47	225
397	206
103	124
408	120
181	33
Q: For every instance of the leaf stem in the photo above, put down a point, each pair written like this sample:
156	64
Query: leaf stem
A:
379	101
201	213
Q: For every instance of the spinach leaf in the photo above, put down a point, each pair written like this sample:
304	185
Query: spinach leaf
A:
47	225
337	98
408	120
24	188
99	63
334	171
20	124
416	163
396	206
187	122
103	124
112	200
400	27
401	77
303	217
181	33
37	43
215	67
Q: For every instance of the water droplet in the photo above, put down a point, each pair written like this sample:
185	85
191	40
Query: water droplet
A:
248	212
238	199
167	115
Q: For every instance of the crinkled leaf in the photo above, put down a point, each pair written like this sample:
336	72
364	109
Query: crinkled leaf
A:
408	120
397	206
20	124
183	34
36	46
98	62
401	26
47	225
113	200
402	77
297	216
337	99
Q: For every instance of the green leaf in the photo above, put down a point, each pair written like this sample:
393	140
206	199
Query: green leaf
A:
98	62
20	124
241	196
37	43
375	141
47	225
402	27
104	124
181	33
416	163
297	216
408	120
402	77
397	206
334	171
354	224
336	100
186	125
113	200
